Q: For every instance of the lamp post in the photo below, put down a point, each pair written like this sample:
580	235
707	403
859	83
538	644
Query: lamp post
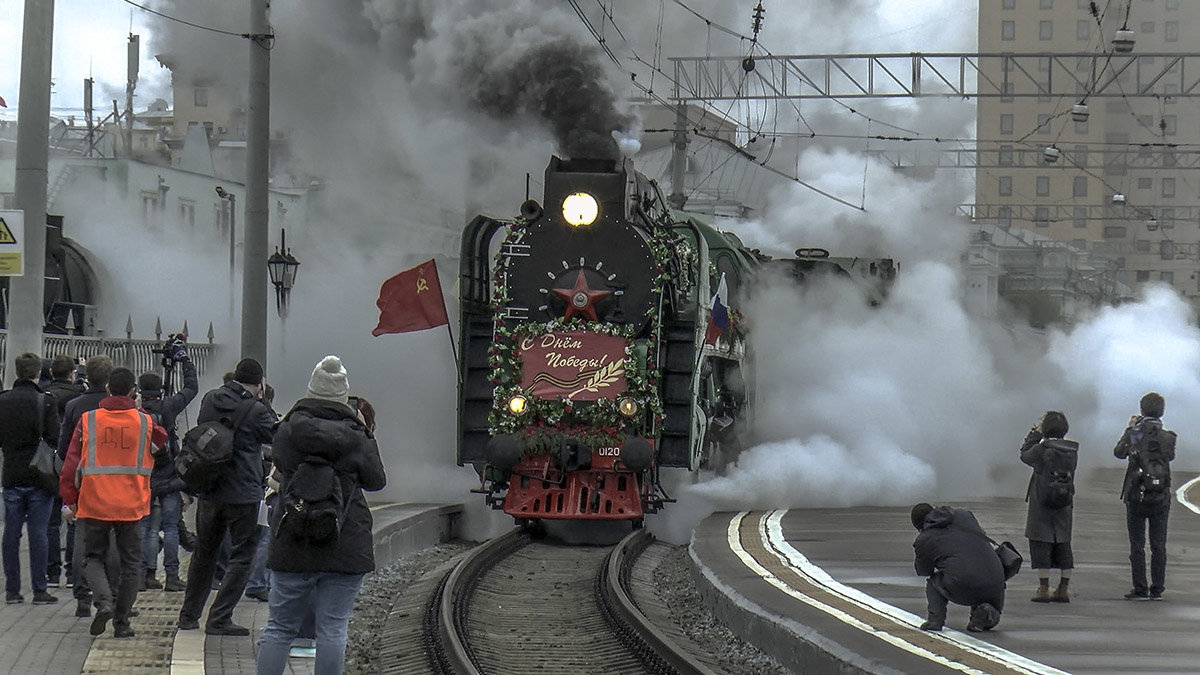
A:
232	199
282	269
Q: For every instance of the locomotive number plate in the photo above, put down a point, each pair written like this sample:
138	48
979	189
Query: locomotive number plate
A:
608	452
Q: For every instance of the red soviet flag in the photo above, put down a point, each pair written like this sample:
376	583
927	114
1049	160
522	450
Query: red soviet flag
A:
411	300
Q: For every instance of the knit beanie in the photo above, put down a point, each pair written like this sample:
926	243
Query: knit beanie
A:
248	371
329	381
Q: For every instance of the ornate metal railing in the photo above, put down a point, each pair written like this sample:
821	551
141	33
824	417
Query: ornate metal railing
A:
136	354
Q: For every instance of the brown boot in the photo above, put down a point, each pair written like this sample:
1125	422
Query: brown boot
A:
1042	595
1060	594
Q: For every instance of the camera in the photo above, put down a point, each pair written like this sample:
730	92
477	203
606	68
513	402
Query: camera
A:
172	349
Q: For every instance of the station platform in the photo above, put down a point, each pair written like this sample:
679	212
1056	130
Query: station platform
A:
834	591
50	640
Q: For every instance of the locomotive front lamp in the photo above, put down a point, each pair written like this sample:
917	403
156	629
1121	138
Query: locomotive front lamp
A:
627	407
580	209
518	404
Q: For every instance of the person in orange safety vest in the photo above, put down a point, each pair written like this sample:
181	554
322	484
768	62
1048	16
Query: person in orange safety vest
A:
105	483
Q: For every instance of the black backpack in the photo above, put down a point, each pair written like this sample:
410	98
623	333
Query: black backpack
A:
314	504
207	448
1058	474
1151	485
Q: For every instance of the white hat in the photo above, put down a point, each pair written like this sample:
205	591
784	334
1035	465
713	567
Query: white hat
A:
329	381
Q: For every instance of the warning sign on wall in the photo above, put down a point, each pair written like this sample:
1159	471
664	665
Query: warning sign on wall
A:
12	246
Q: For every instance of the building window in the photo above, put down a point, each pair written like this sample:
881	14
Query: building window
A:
1083	29
1009	4
1008	30
1172	4
1083	63
1005	186
1045	30
1081	156
1171	31
1006	92
1081	127
1006	154
1080	244
1166	277
1079	188
1044	61
1043	186
1006	123
1166	219
1147	28
1114	231
1079	217
1004	216
1041	216
1143	275
187	212
149	208
1142	245
1046	4
200	97
1145	183
1146	121
1043	123
1168	125
1169	158
1168	187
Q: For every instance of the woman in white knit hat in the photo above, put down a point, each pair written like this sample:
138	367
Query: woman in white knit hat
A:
319	555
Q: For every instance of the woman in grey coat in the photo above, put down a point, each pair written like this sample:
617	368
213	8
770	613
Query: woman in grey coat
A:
1050	497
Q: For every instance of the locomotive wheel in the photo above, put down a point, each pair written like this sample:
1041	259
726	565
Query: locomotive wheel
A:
534	527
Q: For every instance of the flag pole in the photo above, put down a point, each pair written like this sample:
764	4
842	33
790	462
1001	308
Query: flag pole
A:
454	352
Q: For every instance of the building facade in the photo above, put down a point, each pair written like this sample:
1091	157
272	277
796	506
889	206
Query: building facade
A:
1115	178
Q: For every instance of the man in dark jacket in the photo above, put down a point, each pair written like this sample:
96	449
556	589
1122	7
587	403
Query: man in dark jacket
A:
27	501
320	431
1147	508
962	566
98	369
64	389
232	506
166	500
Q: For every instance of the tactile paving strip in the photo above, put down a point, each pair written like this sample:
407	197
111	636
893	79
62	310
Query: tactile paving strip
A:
149	650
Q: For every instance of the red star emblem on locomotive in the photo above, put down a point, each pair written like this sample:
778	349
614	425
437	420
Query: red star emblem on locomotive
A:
580	298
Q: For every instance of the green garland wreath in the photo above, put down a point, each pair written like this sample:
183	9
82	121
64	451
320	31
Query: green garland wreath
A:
546	421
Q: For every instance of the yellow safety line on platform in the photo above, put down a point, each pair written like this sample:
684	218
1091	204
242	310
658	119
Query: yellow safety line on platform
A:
1181	495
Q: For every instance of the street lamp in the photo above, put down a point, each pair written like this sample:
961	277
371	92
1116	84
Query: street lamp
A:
282	269
232	199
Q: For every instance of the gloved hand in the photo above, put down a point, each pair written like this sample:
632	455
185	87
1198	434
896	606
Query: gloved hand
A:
179	353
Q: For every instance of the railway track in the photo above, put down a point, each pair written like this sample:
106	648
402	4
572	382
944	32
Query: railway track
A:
520	605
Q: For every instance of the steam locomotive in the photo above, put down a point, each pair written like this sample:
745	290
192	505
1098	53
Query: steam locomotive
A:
588	360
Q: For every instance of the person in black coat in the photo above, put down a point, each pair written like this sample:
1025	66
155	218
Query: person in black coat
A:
64	389
320	430
1149	515
962	567
1048	521
166	499
231	506
27	500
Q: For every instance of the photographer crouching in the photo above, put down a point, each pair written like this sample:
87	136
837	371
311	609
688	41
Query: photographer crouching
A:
166	498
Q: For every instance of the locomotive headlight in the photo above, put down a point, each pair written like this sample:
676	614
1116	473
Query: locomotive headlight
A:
518	404
627	407
580	209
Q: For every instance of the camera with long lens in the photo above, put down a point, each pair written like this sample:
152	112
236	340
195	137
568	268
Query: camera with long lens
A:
176	342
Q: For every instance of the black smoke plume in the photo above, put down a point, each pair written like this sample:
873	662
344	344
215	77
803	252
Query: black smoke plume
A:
562	83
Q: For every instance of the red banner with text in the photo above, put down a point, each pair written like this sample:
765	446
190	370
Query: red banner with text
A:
577	365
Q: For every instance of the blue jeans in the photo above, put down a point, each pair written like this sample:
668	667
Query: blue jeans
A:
260	579
330	595
164	515
28	506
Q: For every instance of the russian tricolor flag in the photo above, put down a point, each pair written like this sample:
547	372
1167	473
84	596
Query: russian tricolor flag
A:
718	318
